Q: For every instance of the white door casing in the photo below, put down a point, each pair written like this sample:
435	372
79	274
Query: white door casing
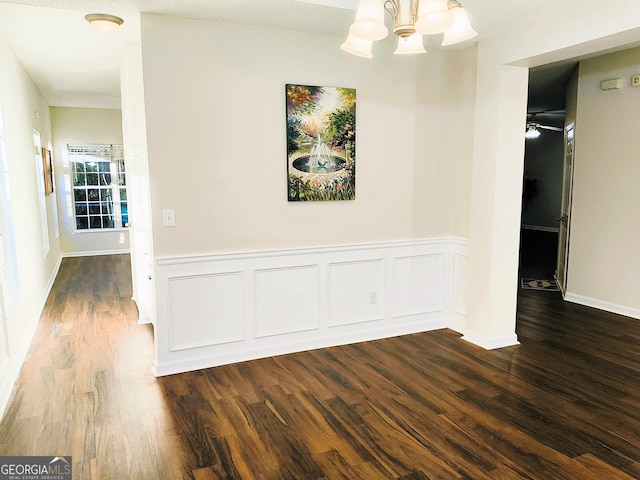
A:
565	210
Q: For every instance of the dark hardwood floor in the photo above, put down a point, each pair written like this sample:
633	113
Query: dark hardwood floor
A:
565	404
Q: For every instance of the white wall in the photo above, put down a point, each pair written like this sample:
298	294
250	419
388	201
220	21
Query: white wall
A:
20	100
604	258
83	126
216	128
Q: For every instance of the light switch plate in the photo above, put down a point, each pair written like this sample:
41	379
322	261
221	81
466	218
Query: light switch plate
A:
168	218
635	80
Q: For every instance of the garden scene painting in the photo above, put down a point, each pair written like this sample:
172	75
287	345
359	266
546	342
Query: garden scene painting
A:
321	143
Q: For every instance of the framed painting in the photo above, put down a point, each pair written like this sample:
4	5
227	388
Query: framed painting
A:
48	171
321	143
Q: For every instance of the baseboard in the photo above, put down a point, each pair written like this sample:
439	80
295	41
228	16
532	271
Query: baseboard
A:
458	323
275	348
602	305
491	343
95	253
14	363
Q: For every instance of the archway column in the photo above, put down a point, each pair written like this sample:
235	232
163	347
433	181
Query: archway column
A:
498	162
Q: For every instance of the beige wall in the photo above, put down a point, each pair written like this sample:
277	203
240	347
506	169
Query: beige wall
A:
444	131
216	129
604	258
83	126
24	109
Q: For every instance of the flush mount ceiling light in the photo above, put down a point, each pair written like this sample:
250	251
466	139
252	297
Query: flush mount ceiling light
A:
104	22
411	20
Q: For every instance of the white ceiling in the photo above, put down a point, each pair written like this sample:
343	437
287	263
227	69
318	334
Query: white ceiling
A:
73	65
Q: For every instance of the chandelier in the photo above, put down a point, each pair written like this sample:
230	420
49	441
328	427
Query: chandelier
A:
411	20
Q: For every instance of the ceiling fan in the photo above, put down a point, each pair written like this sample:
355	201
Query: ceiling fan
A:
533	127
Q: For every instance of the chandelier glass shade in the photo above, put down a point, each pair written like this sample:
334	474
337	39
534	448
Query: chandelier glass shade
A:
369	23
357	46
411	20
433	17
461	29
410	45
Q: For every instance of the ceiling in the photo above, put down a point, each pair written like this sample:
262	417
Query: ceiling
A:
547	92
75	66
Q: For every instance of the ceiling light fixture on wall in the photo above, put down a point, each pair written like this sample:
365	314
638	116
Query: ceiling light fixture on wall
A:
103	22
411	20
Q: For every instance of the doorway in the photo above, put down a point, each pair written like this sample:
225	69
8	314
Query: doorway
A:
543	171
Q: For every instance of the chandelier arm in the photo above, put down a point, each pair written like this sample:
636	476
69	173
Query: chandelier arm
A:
393	7
414	11
400	26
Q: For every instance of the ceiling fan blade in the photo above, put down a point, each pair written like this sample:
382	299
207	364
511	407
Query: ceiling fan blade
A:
549	127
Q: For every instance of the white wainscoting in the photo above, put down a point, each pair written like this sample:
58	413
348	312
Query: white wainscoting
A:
225	308
460	253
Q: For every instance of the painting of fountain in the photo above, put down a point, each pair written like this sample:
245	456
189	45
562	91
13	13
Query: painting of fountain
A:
320	138
320	155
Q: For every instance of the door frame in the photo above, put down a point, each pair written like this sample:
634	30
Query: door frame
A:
564	221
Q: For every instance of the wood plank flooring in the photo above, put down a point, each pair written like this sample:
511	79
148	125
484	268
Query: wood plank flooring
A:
565	404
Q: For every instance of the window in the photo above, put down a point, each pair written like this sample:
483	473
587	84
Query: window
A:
99	186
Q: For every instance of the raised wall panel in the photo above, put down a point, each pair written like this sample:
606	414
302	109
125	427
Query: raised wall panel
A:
356	292
286	300
205	310
418	284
